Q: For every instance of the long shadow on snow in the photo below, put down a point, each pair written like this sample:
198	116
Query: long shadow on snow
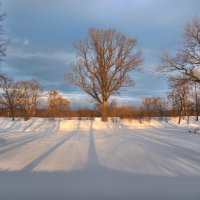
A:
9	131
92	154
2	141
45	122
182	151
139	141
29	125
3	120
22	142
9	128
43	156
93	182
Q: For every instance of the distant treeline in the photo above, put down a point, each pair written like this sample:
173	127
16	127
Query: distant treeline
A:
22	99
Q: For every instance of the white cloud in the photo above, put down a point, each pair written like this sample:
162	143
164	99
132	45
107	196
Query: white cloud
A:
59	55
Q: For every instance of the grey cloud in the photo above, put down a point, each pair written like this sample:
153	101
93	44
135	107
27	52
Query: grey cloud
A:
48	66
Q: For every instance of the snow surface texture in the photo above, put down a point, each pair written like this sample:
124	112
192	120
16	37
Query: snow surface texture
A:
43	159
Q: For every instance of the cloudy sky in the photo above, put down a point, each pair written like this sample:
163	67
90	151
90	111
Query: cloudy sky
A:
42	33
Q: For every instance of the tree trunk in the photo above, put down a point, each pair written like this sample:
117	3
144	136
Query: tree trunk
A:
197	109
12	112
26	118
179	120
104	111
13	117
188	119
26	115
196	103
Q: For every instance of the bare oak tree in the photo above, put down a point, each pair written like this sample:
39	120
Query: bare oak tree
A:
195	93
57	104
187	59
52	103
36	90
8	95
179	95
105	60
28	93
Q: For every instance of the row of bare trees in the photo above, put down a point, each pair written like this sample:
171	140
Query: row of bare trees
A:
184	97
20	95
183	71
22	98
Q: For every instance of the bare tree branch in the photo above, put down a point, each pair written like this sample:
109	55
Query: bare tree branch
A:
187	59
105	60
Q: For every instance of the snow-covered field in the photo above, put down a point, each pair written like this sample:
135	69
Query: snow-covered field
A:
45	159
